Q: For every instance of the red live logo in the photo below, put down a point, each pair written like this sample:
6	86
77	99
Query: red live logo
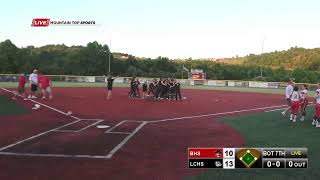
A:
40	22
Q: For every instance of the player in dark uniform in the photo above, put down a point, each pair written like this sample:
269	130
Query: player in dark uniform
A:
167	89
137	88
163	89
171	89
132	88
145	89
152	87
177	90
158	89
109	87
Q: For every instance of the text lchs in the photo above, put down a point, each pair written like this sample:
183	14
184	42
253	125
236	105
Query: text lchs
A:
196	164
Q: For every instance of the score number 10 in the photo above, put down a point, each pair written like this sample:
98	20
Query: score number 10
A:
228	158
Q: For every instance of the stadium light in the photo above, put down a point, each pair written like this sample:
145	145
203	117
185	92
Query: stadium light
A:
109	56
262	56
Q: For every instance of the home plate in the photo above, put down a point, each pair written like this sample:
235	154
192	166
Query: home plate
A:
102	126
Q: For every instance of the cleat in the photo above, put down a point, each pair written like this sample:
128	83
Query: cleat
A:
283	113
291	117
302	119
314	122
318	124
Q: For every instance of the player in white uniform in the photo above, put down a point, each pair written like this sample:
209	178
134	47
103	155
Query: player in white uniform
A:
316	118
295	103
33	78
304	101
289	91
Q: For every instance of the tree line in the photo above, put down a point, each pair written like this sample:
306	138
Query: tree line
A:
92	59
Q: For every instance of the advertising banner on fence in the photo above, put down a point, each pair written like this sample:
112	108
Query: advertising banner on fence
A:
253	84
283	85
90	79
239	84
119	80
100	79
182	81
216	83
273	85
192	82
231	83
263	85
126	80
75	79
198	82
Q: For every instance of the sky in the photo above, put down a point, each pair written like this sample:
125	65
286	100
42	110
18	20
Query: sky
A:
169	28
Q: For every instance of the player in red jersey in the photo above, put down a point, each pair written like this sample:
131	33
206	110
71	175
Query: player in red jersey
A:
45	85
316	119
21	87
295	103
303	101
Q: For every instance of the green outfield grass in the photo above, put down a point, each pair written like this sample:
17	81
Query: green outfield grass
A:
272	130
9	107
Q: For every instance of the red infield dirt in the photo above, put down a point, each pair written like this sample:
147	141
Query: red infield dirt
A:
140	145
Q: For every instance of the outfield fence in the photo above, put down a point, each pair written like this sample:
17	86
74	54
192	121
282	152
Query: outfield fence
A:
190	82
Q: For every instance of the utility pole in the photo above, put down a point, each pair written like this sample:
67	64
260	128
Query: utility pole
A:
182	73
109	56
262	57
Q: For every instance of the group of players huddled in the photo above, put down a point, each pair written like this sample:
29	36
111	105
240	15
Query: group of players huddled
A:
40	86
298	97
163	89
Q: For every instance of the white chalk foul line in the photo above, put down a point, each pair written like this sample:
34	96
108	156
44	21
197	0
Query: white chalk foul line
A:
125	140
114	132
109	130
93	124
84	128
272	110
52	155
92	119
124	121
215	114
47	106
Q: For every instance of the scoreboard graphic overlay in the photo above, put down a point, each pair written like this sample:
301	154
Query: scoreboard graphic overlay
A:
239	158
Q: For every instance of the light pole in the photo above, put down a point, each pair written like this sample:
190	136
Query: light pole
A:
182	71
109	56
262	57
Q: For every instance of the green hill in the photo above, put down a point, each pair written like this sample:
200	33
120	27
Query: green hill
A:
308	59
